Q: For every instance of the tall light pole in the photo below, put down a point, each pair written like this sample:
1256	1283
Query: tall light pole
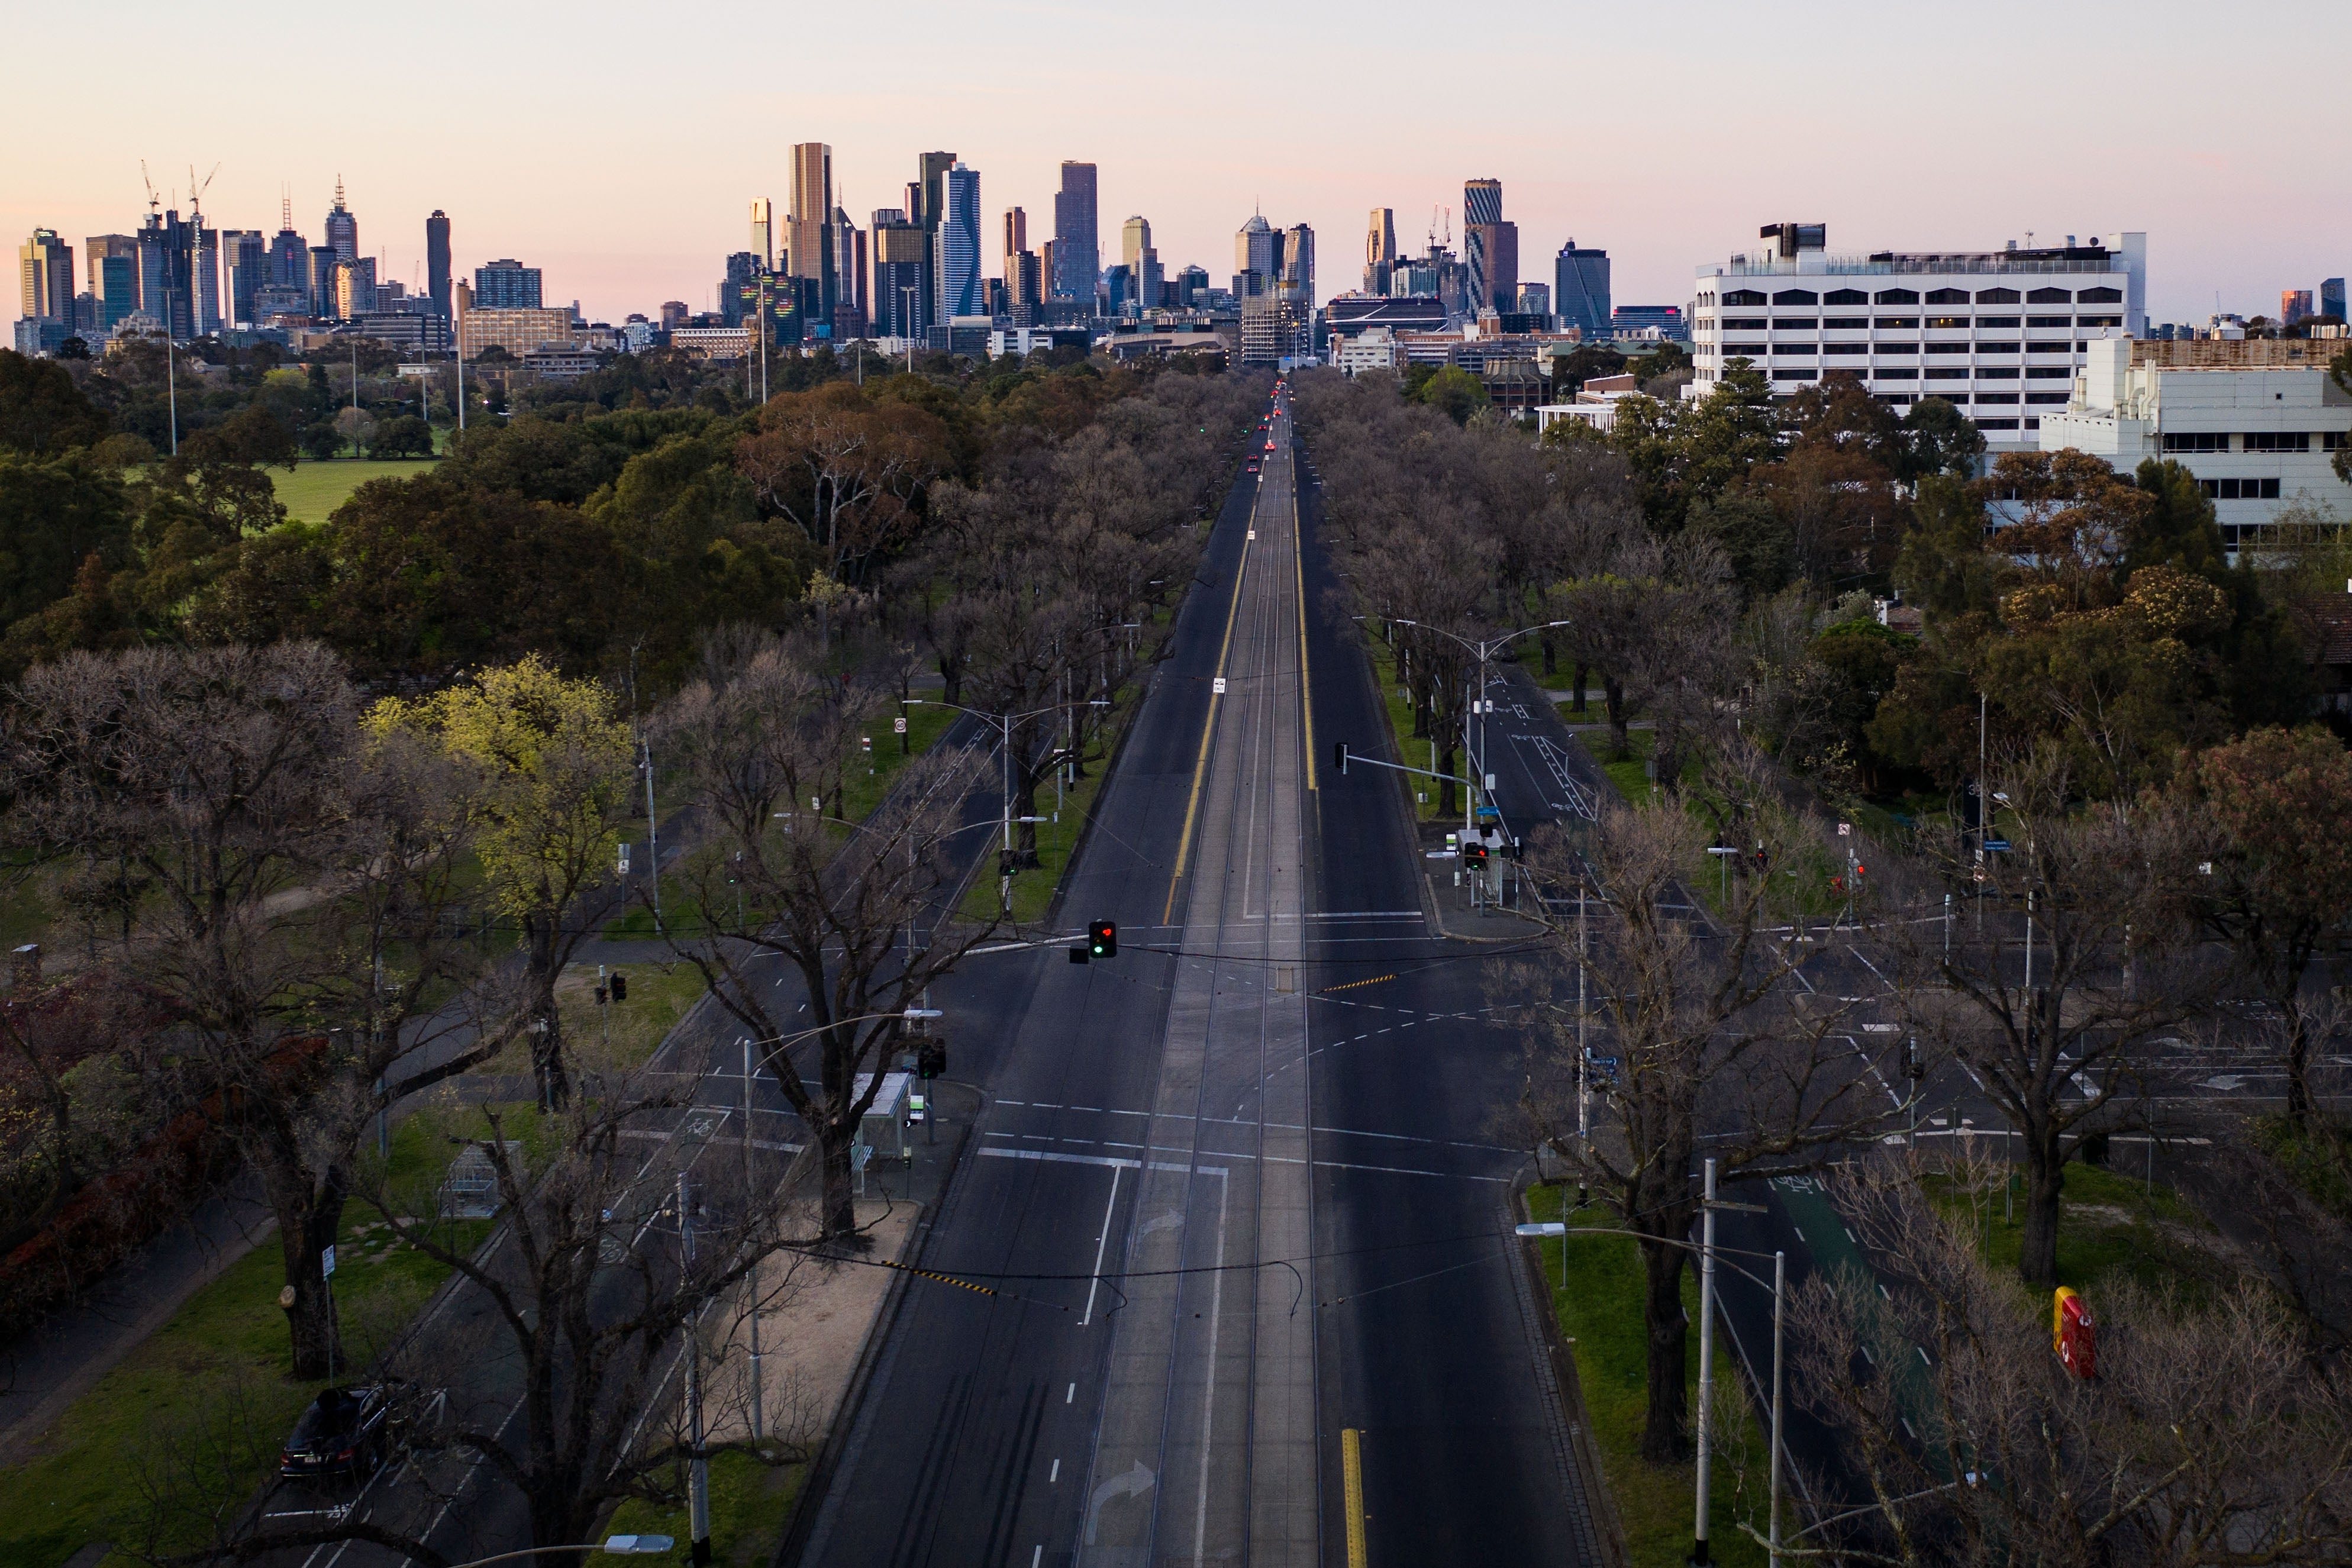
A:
1004	723
907	320
698	1483
1483	651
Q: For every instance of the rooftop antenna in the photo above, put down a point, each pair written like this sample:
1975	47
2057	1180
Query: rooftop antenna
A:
285	206
339	192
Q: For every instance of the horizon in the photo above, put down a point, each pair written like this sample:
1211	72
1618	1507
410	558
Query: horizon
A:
1315	120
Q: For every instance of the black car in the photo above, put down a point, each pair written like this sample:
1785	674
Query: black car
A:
342	1434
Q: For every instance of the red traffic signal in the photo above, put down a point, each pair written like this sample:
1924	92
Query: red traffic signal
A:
1102	939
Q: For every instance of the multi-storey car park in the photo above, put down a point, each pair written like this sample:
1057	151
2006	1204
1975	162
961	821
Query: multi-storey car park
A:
2000	333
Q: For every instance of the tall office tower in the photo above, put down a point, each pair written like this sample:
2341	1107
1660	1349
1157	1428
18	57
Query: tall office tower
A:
319	281
1016	237
1141	261
507	284
808	223
1024	288
343	228
114	280
47	266
97	250
289	253
1490	247
2294	304
1298	265
928	196
849	310
1579	291
763	232
204	261
354	288
674	313
1078	255
436	261
167	273
1257	258
897	291
244	256
1380	250
958	289
2331	298
1190	285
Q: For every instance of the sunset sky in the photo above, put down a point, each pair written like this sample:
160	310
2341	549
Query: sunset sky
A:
617	147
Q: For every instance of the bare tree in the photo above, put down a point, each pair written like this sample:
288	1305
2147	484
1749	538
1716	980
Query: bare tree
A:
2207	1437
1693	1010
842	903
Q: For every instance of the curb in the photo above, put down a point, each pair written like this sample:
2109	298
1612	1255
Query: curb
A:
1582	1458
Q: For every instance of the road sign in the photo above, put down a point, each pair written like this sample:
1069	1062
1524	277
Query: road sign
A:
899	725
1845	830
1217	686
1996	846
327	1262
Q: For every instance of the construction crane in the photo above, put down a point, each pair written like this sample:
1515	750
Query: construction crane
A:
197	192
154	202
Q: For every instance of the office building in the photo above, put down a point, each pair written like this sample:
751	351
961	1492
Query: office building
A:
1535	300
355	289
436	261
810	260
763	232
114	280
1380	250
896	293
2331	299
245	258
1016	237
1648	324
1276	331
516	329
46	264
927	202
2294	304
1352	315
1298	266
204	242
1145	277
2001	333
1257	260
1192	288
851	308
289	253
1078	257
167	273
319	282
415	332
1025	282
958	287
2258	421
1579	291
1490	247
674	315
507	284
343	228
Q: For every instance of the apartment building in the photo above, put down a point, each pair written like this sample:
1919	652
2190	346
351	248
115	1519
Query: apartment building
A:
2000	333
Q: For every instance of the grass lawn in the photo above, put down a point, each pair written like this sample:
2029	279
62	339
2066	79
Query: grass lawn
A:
749	1503
1412	753
1033	889
315	488
659	996
2108	1222
1600	1316
217	1373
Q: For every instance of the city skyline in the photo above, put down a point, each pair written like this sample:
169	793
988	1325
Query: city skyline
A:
1647	170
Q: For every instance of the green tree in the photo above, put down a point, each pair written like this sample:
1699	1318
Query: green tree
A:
404	435
1454	393
1683	453
42	412
55	512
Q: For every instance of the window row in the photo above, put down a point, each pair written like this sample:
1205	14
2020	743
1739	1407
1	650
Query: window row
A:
2100	295
2255	440
1900	323
2243	489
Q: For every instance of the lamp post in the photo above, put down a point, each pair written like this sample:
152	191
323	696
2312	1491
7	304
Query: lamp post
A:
1004	723
611	1546
1709	1253
1483	650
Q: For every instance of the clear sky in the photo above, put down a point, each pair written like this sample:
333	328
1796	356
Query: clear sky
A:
617	147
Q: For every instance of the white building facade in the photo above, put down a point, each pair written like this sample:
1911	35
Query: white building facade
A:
1999	333
2259	423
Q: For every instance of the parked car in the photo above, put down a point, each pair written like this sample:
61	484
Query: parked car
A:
341	1434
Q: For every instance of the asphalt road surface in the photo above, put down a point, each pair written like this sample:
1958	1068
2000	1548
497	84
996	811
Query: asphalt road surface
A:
1241	1184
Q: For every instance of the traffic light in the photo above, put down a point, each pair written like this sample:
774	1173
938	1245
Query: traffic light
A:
620	986
930	1058
1102	939
1339	755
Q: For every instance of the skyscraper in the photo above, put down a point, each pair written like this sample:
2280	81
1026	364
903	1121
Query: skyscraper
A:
958	287
1141	261
929	197
167	273
1016	237
763	232
205	273
810	261
113	276
1077	256
1298	265
436	261
2331	298
1490	247
1257	256
47	264
1579	291
343	228
849	309
244	256
2294	304
1380	250
898	292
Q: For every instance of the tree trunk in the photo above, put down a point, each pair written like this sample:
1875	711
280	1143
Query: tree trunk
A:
2045	1175
1550	655
2298	1066
1582	671
1447	802
840	1202
1665	1435
1613	692
306	1224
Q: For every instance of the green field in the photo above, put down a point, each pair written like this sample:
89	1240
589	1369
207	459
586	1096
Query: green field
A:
313	490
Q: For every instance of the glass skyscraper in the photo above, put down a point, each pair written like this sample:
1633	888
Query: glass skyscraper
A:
1077	256
1581	290
960	290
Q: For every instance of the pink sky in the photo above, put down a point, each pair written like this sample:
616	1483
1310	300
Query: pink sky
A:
617	148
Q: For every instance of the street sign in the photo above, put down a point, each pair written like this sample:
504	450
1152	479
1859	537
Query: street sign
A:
1996	846
327	1262
899	725
1845	830
1217	686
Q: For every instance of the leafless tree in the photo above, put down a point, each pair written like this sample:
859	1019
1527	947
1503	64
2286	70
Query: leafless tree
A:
2207	1435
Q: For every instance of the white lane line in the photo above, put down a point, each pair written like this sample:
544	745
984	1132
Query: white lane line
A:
1209	1391
1071	1396
1100	1242
1055	1474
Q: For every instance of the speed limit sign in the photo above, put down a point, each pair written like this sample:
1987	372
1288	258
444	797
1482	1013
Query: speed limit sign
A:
899	725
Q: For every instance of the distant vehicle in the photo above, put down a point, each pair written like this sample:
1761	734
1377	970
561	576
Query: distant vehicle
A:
342	1434
1252	465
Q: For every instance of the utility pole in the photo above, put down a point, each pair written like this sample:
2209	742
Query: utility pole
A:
1779	1282
653	832
1705	1358
355	397
698	1473
759	1425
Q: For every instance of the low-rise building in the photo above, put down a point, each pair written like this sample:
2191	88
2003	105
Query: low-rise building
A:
1373	349
517	331
1595	404
712	342
2258	421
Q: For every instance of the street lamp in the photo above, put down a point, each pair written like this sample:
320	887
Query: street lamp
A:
613	1545
1483	650
1708	1255
1004	723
